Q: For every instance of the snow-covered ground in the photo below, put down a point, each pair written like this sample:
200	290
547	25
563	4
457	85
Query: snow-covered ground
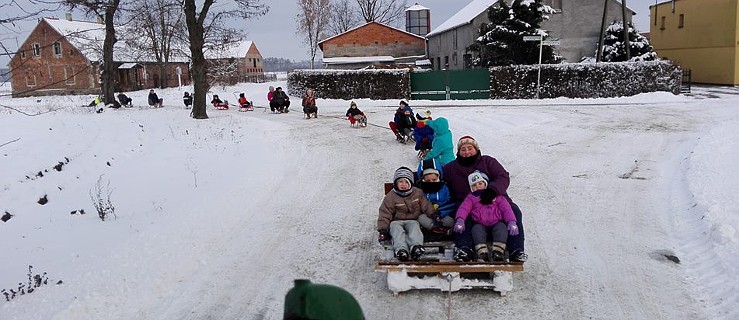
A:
215	218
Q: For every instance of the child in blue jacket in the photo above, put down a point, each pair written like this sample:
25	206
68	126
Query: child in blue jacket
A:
430	176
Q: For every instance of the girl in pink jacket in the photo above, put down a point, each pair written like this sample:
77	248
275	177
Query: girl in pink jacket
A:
492	216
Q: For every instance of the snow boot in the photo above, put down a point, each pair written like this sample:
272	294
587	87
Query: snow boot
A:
417	251
519	256
402	255
482	252
463	254
499	251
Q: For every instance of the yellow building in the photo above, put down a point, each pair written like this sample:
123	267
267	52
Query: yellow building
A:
698	35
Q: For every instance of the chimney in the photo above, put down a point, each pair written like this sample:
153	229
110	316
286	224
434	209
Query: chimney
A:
100	20
68	16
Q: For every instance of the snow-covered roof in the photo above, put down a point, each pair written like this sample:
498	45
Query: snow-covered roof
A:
342	60
128	65
86	36
424	62
416	7
237	50
368	59
464	16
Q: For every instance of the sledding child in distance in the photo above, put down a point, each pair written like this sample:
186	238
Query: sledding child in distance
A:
309	104
243	103
270	96
187	100
154	99
398	216
355	115
430	175
280	101
403	122
218	103
124	100
491	213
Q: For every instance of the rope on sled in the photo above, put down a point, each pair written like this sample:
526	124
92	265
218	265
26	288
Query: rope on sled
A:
449	279
368	123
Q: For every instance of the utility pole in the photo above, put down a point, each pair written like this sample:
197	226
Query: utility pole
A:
602	32
626	30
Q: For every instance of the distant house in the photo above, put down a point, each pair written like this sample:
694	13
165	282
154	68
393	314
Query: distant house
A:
246	59
64	57
371	44
698	36
576	24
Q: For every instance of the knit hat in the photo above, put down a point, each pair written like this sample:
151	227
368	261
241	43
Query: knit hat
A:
430	171
402	173
476	177
465	140
405	104
353	104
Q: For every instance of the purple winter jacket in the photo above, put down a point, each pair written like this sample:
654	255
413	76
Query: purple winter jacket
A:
486	214
456	177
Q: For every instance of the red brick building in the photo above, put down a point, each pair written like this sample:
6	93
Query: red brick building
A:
62	57
372	43
248	61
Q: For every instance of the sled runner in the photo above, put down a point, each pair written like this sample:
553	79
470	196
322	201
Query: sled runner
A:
437	269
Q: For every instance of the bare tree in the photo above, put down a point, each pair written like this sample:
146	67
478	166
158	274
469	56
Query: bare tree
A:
106	10
25	12
199	26
157	24
343	18
313	19
382	11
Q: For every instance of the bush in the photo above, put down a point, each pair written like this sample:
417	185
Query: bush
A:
351	84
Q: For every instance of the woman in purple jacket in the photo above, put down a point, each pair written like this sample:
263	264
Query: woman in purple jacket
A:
456	172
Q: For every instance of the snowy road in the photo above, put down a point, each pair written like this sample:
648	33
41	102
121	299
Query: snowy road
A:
223	214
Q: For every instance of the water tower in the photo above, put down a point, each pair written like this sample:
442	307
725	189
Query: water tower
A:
418	20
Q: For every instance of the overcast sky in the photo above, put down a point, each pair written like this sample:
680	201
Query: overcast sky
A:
274	34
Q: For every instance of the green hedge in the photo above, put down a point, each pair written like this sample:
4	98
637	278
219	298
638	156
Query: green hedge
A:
351	84
585	80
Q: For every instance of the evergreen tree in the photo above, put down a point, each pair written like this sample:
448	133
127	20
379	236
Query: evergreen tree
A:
614	49
501	40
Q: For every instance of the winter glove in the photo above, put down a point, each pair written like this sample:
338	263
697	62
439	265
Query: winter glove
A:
384	236
487	196
512	228
459	226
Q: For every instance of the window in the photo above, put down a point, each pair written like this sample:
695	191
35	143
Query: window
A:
446	62
69	75
255	62
438	63
23	54
36	49
57	49
454	58
555	4
681	21
417	22
662	23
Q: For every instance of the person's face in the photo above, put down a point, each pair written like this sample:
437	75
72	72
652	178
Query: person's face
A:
467	150
354	106
479	185
404	185
431	177
407	113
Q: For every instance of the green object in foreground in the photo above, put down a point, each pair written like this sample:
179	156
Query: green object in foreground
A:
307	301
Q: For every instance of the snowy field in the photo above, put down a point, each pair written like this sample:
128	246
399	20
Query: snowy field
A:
215	218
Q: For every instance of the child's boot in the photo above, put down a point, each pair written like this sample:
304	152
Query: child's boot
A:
482	252
402	255
416	252
499	251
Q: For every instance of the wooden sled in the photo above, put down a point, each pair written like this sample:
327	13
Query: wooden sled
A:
437	269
